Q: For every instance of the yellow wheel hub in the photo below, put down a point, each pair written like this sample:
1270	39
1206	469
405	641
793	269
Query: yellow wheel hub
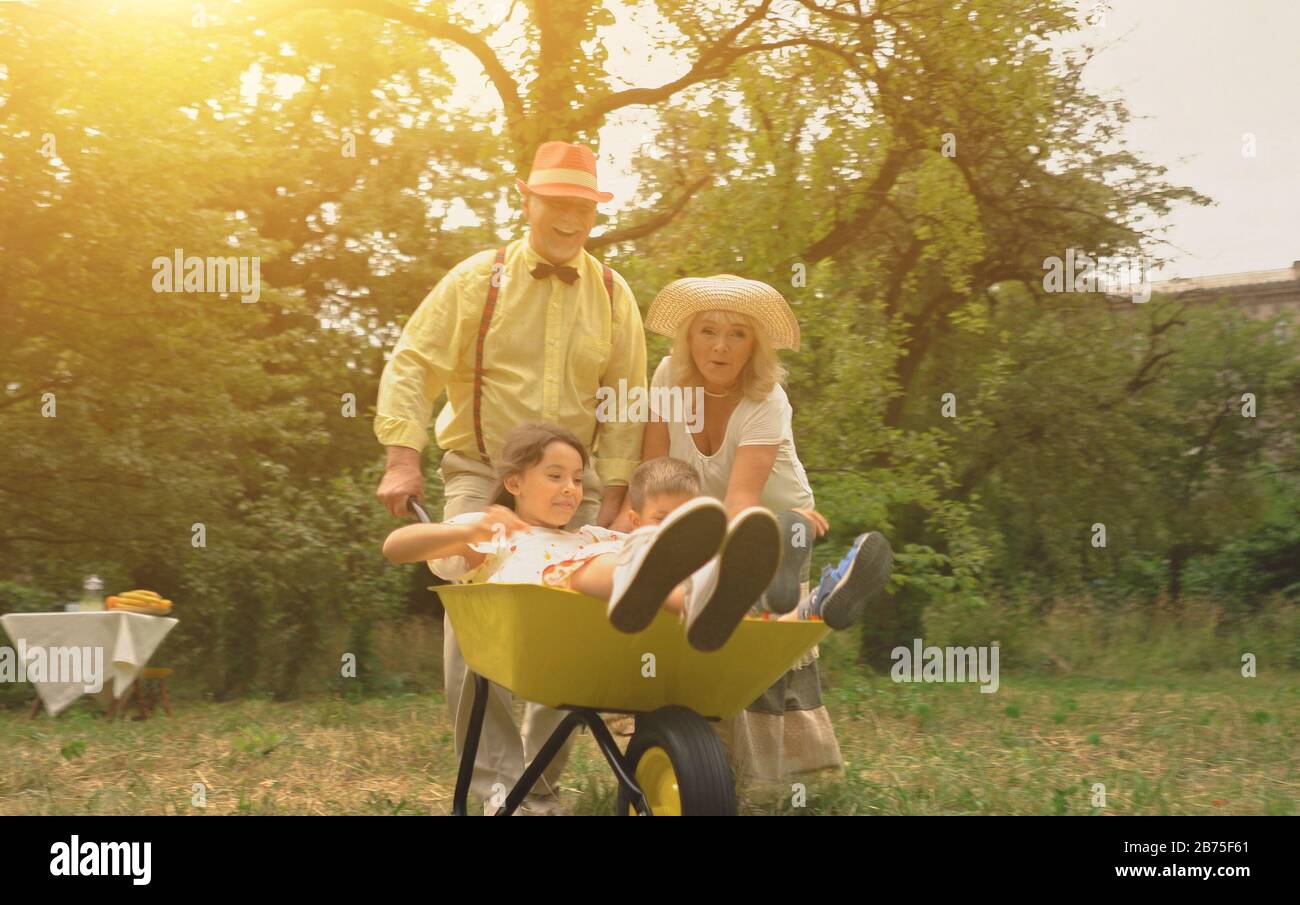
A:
658	780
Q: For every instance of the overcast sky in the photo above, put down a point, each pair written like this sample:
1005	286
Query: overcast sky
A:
1197	75
1201	73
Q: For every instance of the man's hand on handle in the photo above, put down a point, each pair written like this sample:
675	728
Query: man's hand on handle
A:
402	478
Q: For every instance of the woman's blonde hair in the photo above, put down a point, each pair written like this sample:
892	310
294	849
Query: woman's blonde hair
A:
761	373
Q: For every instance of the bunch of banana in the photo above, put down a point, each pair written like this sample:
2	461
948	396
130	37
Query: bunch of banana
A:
140	601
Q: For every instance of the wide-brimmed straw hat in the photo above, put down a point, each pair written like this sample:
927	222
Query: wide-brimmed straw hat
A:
683	299
563	169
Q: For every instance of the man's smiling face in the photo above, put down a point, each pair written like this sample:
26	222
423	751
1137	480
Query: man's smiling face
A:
558	227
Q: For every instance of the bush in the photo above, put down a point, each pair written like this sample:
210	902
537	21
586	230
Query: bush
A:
1250	569
1126	638
16	597
284	591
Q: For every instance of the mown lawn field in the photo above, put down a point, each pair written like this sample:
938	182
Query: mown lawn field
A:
1214	743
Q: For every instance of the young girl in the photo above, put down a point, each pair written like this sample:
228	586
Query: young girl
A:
521	538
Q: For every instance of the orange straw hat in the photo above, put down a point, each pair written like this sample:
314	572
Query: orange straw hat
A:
682	299
562	169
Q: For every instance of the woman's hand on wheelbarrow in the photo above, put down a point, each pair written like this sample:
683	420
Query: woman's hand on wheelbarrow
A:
819	522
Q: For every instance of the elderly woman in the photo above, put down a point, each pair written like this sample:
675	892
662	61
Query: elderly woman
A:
726	331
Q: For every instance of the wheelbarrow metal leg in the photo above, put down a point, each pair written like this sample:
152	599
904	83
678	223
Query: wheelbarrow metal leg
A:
540	762
468	755
590	718
608	747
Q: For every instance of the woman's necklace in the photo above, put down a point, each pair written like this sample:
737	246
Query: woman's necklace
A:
716	395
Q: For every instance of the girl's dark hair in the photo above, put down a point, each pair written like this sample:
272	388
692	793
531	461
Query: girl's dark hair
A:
524	448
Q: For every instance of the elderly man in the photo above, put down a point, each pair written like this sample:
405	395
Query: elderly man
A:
526	332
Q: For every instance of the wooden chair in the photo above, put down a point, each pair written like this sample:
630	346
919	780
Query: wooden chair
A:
147	689
158	689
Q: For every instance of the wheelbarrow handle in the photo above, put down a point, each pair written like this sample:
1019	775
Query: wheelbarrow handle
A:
413	504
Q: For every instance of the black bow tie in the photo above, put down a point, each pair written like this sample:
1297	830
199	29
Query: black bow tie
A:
563	271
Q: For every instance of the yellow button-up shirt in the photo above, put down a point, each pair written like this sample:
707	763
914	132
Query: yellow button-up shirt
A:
549	348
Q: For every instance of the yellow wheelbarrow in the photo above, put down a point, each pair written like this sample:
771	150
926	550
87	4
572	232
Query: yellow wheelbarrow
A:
556	647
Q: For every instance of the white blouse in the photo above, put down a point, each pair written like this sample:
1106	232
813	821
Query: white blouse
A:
524	555
753	423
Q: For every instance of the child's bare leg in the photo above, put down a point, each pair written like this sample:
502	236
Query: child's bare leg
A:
596	579
676	602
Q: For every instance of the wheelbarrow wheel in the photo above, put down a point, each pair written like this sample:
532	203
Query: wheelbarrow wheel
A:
680	765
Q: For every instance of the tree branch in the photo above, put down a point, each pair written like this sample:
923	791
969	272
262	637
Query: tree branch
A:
801	42
506	87
898	276
844	232
650	224
832	13
1198	465
706	66
596	111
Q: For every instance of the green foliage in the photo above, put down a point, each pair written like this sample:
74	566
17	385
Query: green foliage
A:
296	586
18	597
258	742
817	165
1100	636
1247	569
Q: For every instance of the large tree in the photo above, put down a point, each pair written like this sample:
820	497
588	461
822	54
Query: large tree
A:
900	170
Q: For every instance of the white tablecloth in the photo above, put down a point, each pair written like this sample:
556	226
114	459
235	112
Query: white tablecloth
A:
128	640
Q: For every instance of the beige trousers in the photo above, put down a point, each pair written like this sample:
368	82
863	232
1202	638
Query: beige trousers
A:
503	752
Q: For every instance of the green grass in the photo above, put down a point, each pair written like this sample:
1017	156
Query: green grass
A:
1212	743
1160	741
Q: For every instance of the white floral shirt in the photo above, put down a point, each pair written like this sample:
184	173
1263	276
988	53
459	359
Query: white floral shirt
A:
522	556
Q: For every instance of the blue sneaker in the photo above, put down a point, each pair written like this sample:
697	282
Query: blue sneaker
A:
845	589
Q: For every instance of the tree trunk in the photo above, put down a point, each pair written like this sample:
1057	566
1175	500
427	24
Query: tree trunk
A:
1177	559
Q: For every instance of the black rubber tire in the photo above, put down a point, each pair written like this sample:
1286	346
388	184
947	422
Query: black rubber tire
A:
699	760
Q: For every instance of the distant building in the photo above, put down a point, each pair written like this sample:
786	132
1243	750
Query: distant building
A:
1258	293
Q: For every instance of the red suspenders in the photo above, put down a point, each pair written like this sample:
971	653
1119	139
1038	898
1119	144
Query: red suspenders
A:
494	287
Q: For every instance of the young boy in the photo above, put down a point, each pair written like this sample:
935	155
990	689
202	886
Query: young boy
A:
657	487
660	485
